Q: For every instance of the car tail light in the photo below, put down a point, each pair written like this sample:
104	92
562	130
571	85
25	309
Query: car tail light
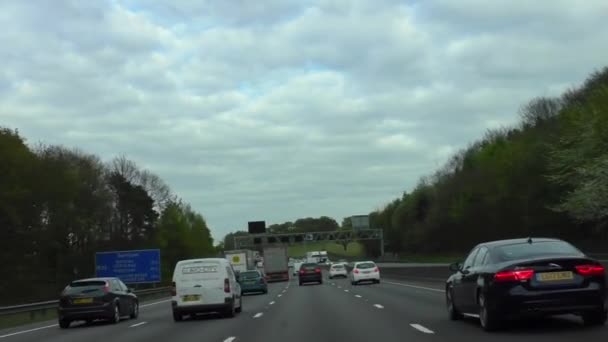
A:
515	275
356	271
262	281
173	289
590	270
227	285
106	288
376	270
302	271
317	270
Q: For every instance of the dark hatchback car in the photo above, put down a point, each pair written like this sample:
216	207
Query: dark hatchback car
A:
252	281
309	273
96	298
519	278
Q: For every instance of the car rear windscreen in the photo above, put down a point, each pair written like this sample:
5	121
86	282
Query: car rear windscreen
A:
535	249
92	287
338	267
250	275
366	265
309	267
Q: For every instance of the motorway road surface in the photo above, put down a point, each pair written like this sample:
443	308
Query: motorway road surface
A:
395	310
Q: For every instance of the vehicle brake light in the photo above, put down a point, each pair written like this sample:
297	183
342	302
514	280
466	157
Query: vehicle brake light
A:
590	270
356	271
515	275
376	270
226	285
302	271
317	270
173	289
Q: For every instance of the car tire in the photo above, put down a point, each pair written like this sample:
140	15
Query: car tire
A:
300	283
116	314
487	318
353	283
134	310
230	311
377	281
453	313
177	316
595	318
64	323
240	308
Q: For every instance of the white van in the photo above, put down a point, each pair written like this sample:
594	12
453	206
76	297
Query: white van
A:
205	285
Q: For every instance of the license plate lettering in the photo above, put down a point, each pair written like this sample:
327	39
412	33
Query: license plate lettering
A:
555	276
83	301
191	298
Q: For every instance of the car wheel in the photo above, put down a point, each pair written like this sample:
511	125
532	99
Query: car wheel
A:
594	318
134	310
487	317
116	315
178	317
240	308
453	313
64	324
377	281
230	311
300	283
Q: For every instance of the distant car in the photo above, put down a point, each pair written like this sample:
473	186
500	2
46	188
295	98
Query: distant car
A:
96	298
338	270
530	277
252	281
364	271
205	285
310	272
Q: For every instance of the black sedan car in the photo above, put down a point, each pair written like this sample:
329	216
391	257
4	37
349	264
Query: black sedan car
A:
310	272
531	277
96	298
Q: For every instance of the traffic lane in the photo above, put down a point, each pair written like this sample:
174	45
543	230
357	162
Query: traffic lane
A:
319	313
428	301
155	323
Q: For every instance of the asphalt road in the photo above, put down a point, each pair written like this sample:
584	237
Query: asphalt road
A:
395	310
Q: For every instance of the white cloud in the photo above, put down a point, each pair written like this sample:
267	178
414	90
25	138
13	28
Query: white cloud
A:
291	109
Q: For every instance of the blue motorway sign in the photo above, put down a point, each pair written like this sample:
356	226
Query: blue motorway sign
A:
140	266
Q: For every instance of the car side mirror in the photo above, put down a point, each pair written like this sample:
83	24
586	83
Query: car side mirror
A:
455	267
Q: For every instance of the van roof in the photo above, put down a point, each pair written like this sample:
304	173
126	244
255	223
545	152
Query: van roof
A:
219	260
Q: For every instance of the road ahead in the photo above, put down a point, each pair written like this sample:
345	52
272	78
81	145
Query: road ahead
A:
396	310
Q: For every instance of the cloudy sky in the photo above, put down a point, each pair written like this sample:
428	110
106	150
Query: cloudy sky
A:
275	110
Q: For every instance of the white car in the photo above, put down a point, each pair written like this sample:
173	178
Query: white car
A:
205	285
364	271
338	270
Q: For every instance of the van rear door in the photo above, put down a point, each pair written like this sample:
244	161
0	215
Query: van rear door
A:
200	282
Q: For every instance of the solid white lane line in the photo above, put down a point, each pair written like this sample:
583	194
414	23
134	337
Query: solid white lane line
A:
345	290
271	303
138	324
155	303
421	328
55	325
415	287
279	295
258	315
379	306
339	287
29	330
230	339
358	296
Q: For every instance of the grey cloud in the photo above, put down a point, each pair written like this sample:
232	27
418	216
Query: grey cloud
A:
295	109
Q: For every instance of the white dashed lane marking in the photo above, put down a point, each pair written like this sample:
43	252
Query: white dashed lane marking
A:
421	328
379	306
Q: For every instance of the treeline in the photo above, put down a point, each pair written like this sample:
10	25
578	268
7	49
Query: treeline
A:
59	206
302	225
548	176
